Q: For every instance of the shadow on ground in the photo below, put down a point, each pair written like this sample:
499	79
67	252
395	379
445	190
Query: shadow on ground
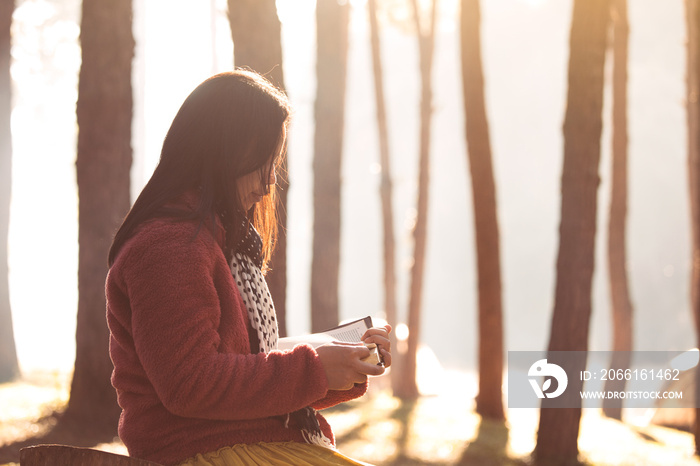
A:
490	447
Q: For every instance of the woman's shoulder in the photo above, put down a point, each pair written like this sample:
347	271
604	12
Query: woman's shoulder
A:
169	230
176	234
169	240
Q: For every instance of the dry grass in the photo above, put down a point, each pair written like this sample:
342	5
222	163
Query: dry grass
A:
27	406
438	429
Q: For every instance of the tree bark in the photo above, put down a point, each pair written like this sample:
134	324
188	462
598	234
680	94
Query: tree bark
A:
104	113
489	401
9	368
408	388
257	41
617	257
386	185
332	20
557	438
693	115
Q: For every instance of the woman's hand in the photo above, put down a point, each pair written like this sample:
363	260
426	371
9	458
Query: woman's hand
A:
380	336
343	364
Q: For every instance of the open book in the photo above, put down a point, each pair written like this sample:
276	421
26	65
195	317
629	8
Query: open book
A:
350	333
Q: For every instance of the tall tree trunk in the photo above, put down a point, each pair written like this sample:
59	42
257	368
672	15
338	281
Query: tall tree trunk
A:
9	368
213	33
489	401
407	388
332	18
693	102
617	257
557	438
257	42
386	186
104	112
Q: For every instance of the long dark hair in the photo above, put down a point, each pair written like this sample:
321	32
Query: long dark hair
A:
229	126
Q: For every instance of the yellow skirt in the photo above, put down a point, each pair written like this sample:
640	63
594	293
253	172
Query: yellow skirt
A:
273	453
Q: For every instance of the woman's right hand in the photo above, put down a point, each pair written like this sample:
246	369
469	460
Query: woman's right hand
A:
343	364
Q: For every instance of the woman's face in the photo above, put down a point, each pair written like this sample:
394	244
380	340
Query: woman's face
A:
250	186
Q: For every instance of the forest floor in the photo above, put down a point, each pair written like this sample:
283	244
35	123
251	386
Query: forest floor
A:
440	428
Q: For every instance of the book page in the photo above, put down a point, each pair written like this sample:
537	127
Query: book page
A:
350	333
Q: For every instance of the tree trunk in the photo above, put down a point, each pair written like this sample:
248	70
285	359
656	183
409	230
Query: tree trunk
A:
104	112
617	257
9	368
558	428
332	20
693	102
386	186
407	387
489	402
213	34
256	34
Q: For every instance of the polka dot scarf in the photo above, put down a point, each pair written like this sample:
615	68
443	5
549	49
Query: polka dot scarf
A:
245	267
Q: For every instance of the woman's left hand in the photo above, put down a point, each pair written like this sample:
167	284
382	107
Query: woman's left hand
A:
380	336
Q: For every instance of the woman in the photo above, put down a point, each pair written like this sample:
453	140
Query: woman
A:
193	328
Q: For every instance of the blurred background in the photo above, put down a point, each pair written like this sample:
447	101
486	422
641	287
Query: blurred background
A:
525	53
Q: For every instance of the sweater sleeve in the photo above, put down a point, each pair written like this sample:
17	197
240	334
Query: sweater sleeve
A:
334	397
171	280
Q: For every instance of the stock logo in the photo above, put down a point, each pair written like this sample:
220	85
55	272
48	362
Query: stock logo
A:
549	371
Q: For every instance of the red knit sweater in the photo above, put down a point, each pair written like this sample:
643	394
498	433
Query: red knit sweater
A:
181	341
